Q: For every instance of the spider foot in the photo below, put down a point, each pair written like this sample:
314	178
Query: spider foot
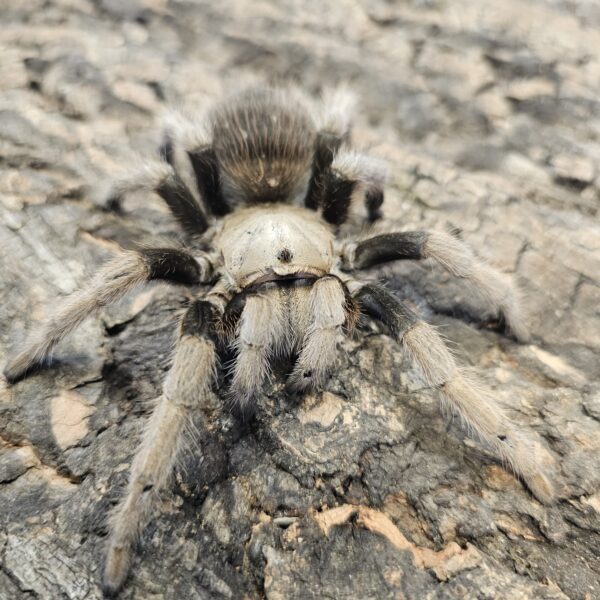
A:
116	569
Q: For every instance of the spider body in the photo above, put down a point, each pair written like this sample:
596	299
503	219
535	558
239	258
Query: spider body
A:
275	239
265	185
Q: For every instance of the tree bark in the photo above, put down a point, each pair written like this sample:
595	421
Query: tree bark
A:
489	119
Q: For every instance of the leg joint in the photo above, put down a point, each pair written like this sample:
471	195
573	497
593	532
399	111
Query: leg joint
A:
380	304
389	246
171	264
201	320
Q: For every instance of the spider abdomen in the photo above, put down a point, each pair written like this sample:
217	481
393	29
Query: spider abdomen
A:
264	143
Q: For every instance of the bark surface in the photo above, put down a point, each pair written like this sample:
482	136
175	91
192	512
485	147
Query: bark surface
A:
489	116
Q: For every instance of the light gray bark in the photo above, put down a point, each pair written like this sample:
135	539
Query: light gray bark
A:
489	118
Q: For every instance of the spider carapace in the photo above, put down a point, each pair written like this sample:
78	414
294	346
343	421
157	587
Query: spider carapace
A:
266	185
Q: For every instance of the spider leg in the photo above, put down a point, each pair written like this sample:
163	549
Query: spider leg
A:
349	178
463	394
337	109
261	333
161	178
334	129
186	387
327	316
452	254
187	143
338	174
206	170
112	282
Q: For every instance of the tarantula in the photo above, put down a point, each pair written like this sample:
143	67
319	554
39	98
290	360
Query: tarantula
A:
264	186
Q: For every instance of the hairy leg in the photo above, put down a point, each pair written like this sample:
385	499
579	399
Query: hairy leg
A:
352	179
338	174
188	149
337	110
455	256
127	270
261	333
161	178
186	387
463	394
334	129
327	315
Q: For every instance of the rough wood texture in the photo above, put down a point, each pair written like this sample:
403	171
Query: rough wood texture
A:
489	116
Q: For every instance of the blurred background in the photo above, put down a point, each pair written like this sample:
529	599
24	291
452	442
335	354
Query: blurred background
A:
489	116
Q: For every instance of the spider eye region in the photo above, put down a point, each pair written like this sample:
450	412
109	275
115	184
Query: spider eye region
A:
285	255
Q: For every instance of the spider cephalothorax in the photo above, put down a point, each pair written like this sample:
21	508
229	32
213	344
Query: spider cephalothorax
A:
264	185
